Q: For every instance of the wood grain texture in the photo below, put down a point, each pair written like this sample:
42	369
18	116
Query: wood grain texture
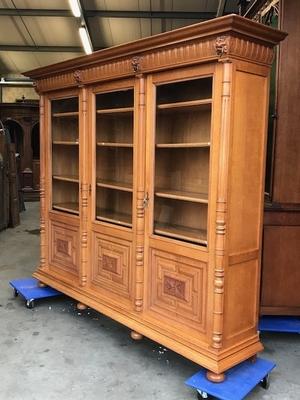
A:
280	277
286	185
169	196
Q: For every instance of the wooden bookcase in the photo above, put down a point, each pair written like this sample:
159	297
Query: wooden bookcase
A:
152	176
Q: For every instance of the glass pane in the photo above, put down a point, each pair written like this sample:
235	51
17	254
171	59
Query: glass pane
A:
114	157
65	155
182	149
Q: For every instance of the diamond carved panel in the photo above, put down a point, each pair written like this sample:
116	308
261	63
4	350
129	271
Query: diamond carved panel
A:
111	267
64	246
178	288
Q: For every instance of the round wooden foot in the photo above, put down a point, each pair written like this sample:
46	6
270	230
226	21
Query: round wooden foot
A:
41	284
216	378
81	306
136	336
253	358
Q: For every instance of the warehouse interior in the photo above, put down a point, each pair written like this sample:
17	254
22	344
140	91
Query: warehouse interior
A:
74	346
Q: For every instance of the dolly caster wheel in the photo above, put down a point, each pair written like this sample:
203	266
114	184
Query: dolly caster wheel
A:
136	336
81	306
203	395
16	293
29	304
265	382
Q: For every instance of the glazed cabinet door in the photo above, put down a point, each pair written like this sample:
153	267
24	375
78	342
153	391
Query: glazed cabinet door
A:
114	148
179	141
63	177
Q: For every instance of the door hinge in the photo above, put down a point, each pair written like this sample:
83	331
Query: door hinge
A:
146	200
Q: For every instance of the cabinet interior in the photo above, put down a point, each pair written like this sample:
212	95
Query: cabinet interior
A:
114	156
182	152
65	154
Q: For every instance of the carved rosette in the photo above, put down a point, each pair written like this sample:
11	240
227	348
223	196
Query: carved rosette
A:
221	211
140	205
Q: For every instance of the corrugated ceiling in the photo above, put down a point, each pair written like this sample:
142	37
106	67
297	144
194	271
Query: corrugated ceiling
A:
110	28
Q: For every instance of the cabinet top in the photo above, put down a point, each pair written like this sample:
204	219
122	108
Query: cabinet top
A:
207	41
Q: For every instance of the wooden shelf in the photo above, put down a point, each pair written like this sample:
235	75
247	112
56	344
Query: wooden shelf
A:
69	207
114	217
182	145
67	178
182	195
65	142
65	114
185	105
126	187
112	144
181	232
123	110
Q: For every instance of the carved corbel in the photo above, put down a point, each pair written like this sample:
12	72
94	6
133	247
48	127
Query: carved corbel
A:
136	64
77	75
221	45
36	86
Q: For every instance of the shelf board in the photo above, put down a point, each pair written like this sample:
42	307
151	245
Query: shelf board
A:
126	187
67	178
113	144
114	217
65	142
181	232
182	145
122	110
65	114
182	195
185	105
69	207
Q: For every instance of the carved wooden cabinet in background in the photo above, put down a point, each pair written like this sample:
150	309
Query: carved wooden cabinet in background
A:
152	176
22	121
280	294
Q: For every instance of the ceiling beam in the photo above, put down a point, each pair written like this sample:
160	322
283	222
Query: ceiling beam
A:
24	12
42	49
85	22
21	12
221	8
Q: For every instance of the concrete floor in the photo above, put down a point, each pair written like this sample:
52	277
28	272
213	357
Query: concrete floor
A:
55	352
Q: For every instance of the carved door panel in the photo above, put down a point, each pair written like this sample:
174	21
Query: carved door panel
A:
177	291
111	273
64	249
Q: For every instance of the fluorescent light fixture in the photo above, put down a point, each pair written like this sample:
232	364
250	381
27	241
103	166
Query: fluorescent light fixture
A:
75	7
17	82
85	40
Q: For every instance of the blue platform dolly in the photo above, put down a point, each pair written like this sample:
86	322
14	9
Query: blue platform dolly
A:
30	290
239	381
272	323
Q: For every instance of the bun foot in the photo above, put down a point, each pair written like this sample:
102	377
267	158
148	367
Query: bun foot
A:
81	306
41	284
136	336
253	359
216	378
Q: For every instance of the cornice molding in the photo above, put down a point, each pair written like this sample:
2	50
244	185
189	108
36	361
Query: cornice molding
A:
232	36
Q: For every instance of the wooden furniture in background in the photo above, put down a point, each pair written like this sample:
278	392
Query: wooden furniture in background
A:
152	177
281	250
22	120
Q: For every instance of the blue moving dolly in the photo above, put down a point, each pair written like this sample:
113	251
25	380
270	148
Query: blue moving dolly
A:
239	381
31	291
272	323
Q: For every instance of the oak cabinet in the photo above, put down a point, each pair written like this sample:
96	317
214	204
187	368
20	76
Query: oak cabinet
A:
152	185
